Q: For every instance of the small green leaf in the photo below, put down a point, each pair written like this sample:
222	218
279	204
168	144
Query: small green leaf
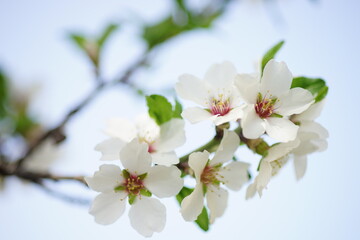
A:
270	54
145	192
108	31
131	199
203	220
160	109
79	40
316	86
177	110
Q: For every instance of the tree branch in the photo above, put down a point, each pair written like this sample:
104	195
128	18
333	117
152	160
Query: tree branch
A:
56	133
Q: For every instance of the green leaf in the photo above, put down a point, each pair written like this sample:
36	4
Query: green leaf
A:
160	109
79	40
316	86
321	94
3	94
177	110
203	220
108	31
270	54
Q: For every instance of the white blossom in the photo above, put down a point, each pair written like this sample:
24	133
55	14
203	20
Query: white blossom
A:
216	94
211	175
270	101
161	140
136	183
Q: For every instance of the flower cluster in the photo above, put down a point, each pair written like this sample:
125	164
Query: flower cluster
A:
272	103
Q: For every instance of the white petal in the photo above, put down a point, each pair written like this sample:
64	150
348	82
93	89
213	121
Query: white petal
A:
172	135
311	113
248	87
280	150
233	115
166	159
253	126
191	88
192	205
147	215
135	157
196	114
314	127
281	129
197	162
300	163
147	129
110	149
235	175
164	181
295	101
217	199
106	179
227	148
251	191
264	176
221	75
121	128
108	207
276	79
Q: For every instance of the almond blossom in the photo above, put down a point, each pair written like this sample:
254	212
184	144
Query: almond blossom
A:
270	101
136	183
161	140
211	175
216	94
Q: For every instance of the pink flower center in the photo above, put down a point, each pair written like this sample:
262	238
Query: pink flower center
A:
133	184
264	106
220	107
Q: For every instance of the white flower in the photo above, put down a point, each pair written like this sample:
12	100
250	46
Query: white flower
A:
270	165
216	94
211	175
312	137
161	140
270	101
137	182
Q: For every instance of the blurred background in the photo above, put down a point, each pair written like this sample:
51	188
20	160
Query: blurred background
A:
49	73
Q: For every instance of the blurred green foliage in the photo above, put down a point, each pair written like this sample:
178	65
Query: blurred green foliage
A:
161	110
14	114
183	20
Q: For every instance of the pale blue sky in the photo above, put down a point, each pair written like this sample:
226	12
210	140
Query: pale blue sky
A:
322	40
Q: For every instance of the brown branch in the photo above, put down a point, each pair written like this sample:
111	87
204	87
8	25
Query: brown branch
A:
11	169
56	133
